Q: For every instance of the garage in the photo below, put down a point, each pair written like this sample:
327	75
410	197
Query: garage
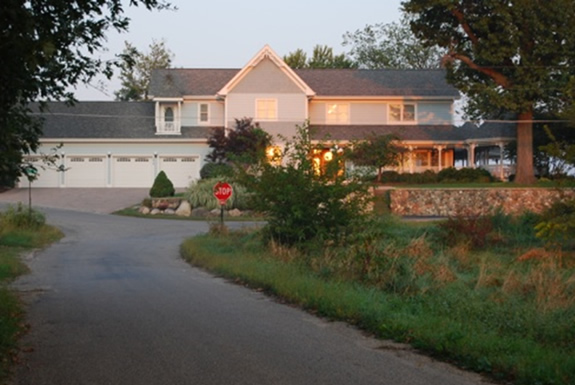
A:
181	170
46	177
86	171
132	171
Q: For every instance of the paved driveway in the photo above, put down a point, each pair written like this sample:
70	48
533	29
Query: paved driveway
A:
94	200
113	303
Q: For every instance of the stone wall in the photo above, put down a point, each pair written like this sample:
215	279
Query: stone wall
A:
453	201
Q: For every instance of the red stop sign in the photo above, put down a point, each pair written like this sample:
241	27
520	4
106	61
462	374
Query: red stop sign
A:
223	191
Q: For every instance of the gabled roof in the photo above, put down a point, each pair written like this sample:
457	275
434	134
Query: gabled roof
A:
178	83
266	53
107	120
385	82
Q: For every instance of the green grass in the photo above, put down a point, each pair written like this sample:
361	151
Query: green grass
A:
486	310
16	239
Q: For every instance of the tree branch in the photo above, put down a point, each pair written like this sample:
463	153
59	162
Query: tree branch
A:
466	27
498	77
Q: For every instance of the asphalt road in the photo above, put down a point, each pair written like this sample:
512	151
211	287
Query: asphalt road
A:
113	303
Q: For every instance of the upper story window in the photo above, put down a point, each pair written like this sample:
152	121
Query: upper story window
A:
401	113
266	109
204	112
169	115
337	113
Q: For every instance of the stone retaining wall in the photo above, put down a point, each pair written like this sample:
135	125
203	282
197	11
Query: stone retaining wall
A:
453	201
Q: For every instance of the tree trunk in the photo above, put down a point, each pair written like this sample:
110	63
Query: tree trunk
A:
524	173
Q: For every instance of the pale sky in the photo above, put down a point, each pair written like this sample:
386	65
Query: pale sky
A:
228	33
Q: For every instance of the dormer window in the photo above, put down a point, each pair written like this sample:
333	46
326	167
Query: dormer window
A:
168	119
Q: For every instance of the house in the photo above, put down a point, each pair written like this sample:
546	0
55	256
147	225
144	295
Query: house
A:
125	144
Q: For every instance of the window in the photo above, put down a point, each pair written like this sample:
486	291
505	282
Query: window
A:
401	113
266	109
337	113
169	115
204	113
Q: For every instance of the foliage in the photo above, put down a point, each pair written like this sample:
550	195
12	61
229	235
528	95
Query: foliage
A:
377	151
391	45
201	194
21	218
48	47
557	224
300	201
451	174
505	56
212	170
244	145
560	152
322	58
137	67
162	187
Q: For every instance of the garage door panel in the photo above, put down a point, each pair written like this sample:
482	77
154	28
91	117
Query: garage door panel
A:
133	171
86	171
181	170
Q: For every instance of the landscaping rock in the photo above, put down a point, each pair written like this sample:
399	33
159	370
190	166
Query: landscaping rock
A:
200	212
144	210
235	213
155	212
169	212
184	209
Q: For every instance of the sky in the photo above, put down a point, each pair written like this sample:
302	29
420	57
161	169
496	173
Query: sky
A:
228	33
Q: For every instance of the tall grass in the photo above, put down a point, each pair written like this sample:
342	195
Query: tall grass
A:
501	309
21	230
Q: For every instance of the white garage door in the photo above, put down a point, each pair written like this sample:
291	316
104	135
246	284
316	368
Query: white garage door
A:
45	177
86	171
132	171
181	170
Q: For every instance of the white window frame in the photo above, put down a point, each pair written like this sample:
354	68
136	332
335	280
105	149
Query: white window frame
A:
402	119
270	112
166	127
207	121
337	113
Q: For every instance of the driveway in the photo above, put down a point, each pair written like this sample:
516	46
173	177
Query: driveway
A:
95	200
113	303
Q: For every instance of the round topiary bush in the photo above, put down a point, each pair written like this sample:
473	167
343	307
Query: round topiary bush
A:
162	187
212	170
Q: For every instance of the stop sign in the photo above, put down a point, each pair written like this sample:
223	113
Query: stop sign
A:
222	191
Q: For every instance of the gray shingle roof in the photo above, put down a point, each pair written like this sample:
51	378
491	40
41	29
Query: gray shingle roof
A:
324	82
435	133
102	120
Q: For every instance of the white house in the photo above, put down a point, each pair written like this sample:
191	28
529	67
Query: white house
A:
125	144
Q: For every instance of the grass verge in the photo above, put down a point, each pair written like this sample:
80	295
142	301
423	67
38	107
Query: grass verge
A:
487	311
16	239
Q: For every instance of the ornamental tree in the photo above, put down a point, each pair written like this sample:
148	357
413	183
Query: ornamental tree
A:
506	56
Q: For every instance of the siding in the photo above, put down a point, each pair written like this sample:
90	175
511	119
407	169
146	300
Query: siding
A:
375	113
266	77
190	112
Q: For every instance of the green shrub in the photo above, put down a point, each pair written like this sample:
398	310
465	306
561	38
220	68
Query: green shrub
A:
212	170
21	217
557	224
162	186
465	175
201	194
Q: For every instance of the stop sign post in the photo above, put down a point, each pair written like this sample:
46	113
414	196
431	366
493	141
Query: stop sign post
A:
222	191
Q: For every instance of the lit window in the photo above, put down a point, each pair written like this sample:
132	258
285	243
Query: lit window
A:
266	109
402	112
337	114
274	155
204	113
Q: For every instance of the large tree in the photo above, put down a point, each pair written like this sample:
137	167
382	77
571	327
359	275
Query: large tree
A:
137	66
506	56
391	45
47	47
322	57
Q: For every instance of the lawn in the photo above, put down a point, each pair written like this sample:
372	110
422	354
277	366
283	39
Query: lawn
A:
20	233
504	307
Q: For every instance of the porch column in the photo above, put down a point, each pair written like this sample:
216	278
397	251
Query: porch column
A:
411	165
439	155
501	156
471	154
